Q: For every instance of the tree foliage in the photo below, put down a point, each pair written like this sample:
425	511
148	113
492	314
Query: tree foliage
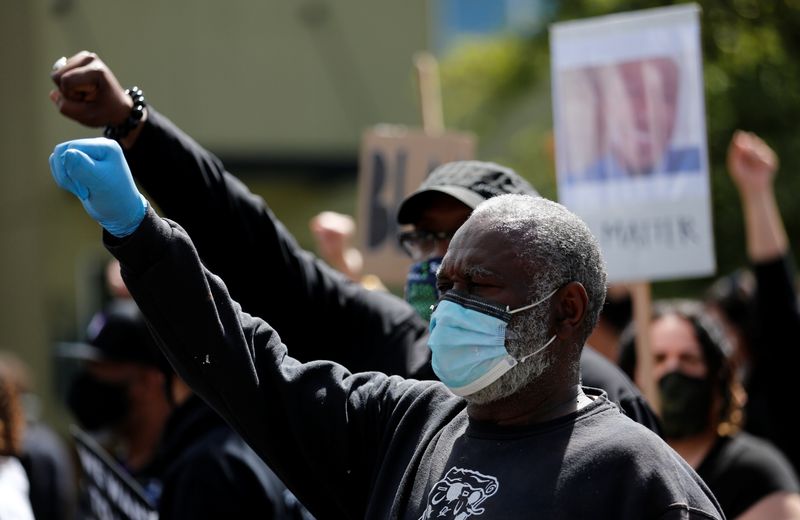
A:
499	88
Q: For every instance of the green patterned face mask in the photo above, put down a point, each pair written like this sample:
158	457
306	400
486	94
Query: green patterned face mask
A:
685	404
421	291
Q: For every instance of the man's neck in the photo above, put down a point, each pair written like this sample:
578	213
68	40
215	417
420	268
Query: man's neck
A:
534	404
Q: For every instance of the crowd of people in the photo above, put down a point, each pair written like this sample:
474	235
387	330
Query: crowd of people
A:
236	372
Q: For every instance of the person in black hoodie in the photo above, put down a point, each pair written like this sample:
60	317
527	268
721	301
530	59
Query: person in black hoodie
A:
193	465
240	239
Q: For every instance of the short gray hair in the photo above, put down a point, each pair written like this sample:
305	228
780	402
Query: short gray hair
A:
554	244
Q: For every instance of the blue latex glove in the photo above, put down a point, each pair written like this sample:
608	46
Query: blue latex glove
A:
95	171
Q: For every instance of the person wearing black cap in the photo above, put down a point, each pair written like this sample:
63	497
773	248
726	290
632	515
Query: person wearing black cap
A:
436	210
119	394
191	463
270	276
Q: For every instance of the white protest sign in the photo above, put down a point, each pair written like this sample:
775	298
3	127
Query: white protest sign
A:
631	151
394	161
112	493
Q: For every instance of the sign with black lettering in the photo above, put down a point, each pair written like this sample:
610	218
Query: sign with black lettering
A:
394	161
112	493
631	151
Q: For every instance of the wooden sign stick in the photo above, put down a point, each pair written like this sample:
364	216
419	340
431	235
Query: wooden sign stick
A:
642	314
430	95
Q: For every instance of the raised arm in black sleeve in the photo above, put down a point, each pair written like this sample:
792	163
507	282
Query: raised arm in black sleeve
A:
776	356
332	437
318	311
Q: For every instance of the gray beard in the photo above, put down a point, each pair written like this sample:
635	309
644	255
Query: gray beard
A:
524	335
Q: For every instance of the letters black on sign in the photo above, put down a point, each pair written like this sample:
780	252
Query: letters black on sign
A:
382	216
662	232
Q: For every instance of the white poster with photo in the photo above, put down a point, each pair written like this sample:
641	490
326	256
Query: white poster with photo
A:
631	151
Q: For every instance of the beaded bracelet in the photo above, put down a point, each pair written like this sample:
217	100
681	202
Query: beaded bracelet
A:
121	131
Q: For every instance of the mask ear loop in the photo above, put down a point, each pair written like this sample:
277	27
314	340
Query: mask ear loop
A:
549	342
532	305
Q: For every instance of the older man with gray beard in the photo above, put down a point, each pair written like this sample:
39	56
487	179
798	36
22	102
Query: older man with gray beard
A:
523	283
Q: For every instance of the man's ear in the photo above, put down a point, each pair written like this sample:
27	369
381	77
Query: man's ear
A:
570	306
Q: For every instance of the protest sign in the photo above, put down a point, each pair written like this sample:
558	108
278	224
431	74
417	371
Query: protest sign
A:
394	161
631	151
112	493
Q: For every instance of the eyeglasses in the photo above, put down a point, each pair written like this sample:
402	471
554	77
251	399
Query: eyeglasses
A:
419	244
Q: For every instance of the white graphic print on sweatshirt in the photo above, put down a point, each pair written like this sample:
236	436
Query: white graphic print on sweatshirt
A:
459	494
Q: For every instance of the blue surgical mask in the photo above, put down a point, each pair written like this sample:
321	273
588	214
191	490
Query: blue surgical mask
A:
421	291
468	342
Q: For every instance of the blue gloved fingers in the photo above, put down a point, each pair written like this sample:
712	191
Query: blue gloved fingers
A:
96	171
98	148
61	148
80	167
63	179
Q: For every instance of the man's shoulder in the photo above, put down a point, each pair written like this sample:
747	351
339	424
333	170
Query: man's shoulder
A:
599	372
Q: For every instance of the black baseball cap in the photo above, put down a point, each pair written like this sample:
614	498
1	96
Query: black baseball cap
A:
470	182
117	333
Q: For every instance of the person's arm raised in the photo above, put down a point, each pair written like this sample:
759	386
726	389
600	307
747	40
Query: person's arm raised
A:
89	93
320	427
240	239
94	170
752	165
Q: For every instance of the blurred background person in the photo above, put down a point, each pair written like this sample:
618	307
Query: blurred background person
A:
758	306
701	413
14	501
48	462
118	393
189	461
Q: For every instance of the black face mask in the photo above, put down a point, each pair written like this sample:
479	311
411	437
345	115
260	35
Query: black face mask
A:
685	404
96	404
